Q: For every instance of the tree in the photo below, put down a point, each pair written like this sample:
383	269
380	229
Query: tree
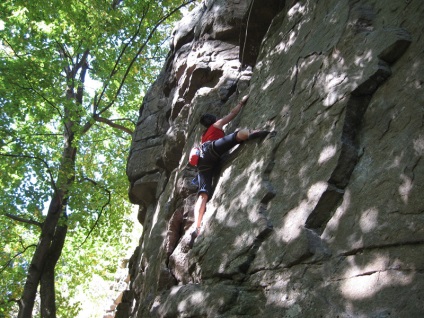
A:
62	149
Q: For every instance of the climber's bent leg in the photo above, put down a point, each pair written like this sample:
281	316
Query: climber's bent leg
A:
224	144
242	135
205	191
199	210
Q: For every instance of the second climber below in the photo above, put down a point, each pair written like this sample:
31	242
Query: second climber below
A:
214	144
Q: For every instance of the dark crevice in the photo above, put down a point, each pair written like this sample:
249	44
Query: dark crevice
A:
258	19
200	77
297	69
379	247
262	236
348	158
350	151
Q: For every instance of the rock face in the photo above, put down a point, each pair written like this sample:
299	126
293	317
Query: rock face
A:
322	219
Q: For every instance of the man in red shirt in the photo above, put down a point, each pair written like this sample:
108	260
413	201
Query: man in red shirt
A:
214	144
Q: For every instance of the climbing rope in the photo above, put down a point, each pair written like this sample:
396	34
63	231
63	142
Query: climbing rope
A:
245	36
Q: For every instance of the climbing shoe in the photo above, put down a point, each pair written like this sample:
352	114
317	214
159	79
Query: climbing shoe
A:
254	134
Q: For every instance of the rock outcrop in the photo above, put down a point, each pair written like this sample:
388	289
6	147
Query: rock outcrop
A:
325	217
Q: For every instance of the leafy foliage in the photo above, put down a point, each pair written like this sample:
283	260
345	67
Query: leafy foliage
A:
79	69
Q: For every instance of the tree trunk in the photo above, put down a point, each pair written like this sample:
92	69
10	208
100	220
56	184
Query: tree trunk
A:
47	286
39	258
50	229
53	235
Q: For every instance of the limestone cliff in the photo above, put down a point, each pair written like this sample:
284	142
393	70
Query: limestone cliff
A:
324	218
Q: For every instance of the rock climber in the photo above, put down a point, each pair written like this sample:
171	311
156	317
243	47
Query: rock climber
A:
214	144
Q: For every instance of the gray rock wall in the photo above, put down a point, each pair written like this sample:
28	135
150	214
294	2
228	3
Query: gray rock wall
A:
322	219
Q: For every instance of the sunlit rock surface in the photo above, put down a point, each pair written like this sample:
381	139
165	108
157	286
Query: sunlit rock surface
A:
325	218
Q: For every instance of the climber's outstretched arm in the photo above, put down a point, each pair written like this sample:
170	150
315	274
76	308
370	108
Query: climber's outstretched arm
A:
220	123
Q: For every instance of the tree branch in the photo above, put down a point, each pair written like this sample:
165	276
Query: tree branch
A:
101	210
31	86
83	60
33	89
15	256
146	41
36	158
112	124
83	65
125	119
28	221
115	67
99	98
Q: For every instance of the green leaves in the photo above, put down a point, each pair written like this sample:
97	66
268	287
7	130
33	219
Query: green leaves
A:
51	54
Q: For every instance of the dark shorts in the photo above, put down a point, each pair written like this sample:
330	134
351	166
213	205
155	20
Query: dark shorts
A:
209	161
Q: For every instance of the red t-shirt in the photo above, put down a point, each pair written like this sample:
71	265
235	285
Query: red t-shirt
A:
212	133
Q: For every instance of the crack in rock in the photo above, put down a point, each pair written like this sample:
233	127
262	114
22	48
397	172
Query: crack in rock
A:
396	41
